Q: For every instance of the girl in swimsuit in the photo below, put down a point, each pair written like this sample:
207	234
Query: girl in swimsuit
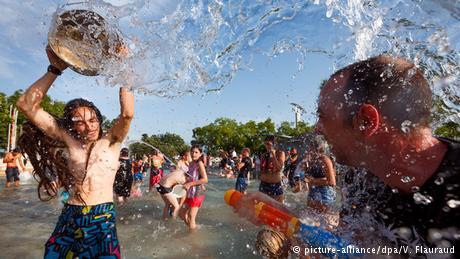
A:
196	177
320	176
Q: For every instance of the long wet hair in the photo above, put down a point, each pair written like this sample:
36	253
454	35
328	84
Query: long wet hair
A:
46	154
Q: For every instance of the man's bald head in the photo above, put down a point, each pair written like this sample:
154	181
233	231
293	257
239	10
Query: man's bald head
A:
395	86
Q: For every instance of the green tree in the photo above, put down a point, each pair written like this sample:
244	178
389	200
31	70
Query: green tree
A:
107	123
301	129
449	130
441	112
54	107
226	134
169	143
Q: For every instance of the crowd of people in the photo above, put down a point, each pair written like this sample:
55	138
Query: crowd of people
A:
418	173
189	174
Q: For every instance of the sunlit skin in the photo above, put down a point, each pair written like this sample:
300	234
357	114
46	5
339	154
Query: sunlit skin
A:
86	124
276	175
87	153
329	180
367	140
170	180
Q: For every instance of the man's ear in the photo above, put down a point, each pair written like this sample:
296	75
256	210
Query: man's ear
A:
366	121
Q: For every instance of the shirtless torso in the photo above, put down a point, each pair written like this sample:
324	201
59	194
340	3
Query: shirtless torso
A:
176	177
13	160
100	163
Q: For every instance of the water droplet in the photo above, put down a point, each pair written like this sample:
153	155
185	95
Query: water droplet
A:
434	234
439	180
394	190
405	126
415	189
407	179
453	203
422	199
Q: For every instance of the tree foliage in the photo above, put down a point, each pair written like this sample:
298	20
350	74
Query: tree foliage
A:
55	108
227	134
170	144
441	112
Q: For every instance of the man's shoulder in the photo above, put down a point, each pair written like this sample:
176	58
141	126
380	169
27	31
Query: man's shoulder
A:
449	169
452	155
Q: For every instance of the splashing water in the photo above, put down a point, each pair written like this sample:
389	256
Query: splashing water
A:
202	44
129	142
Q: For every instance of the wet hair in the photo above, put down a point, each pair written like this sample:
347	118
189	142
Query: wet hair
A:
270	138
272	244
155	152
394	85
124	152
71	106
16	150
46	154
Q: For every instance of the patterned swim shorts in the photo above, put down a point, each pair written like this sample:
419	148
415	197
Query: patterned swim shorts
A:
84	232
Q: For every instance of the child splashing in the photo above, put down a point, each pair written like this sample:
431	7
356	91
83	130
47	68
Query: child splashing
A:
196	178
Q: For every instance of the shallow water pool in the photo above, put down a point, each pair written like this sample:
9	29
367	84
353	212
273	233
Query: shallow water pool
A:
26	223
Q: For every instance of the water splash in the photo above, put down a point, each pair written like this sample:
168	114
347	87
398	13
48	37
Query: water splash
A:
202	44
129	142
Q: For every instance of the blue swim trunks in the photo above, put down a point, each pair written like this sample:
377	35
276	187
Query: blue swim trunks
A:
138	176
324	194
271	189
84	232
241	184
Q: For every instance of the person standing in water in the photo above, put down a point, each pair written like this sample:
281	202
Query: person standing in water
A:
124	177
156	172
138	173
271	170
244	168
169	181
13	160
86	169
320	176
291	166
196	178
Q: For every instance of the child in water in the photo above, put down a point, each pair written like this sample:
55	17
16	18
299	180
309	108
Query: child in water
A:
196	178
169	181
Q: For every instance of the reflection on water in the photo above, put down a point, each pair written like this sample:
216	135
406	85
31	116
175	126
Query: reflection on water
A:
26	224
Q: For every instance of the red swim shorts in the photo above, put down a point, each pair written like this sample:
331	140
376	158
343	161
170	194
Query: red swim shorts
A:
195	201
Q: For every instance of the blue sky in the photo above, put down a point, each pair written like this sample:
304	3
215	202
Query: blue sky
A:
264	92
